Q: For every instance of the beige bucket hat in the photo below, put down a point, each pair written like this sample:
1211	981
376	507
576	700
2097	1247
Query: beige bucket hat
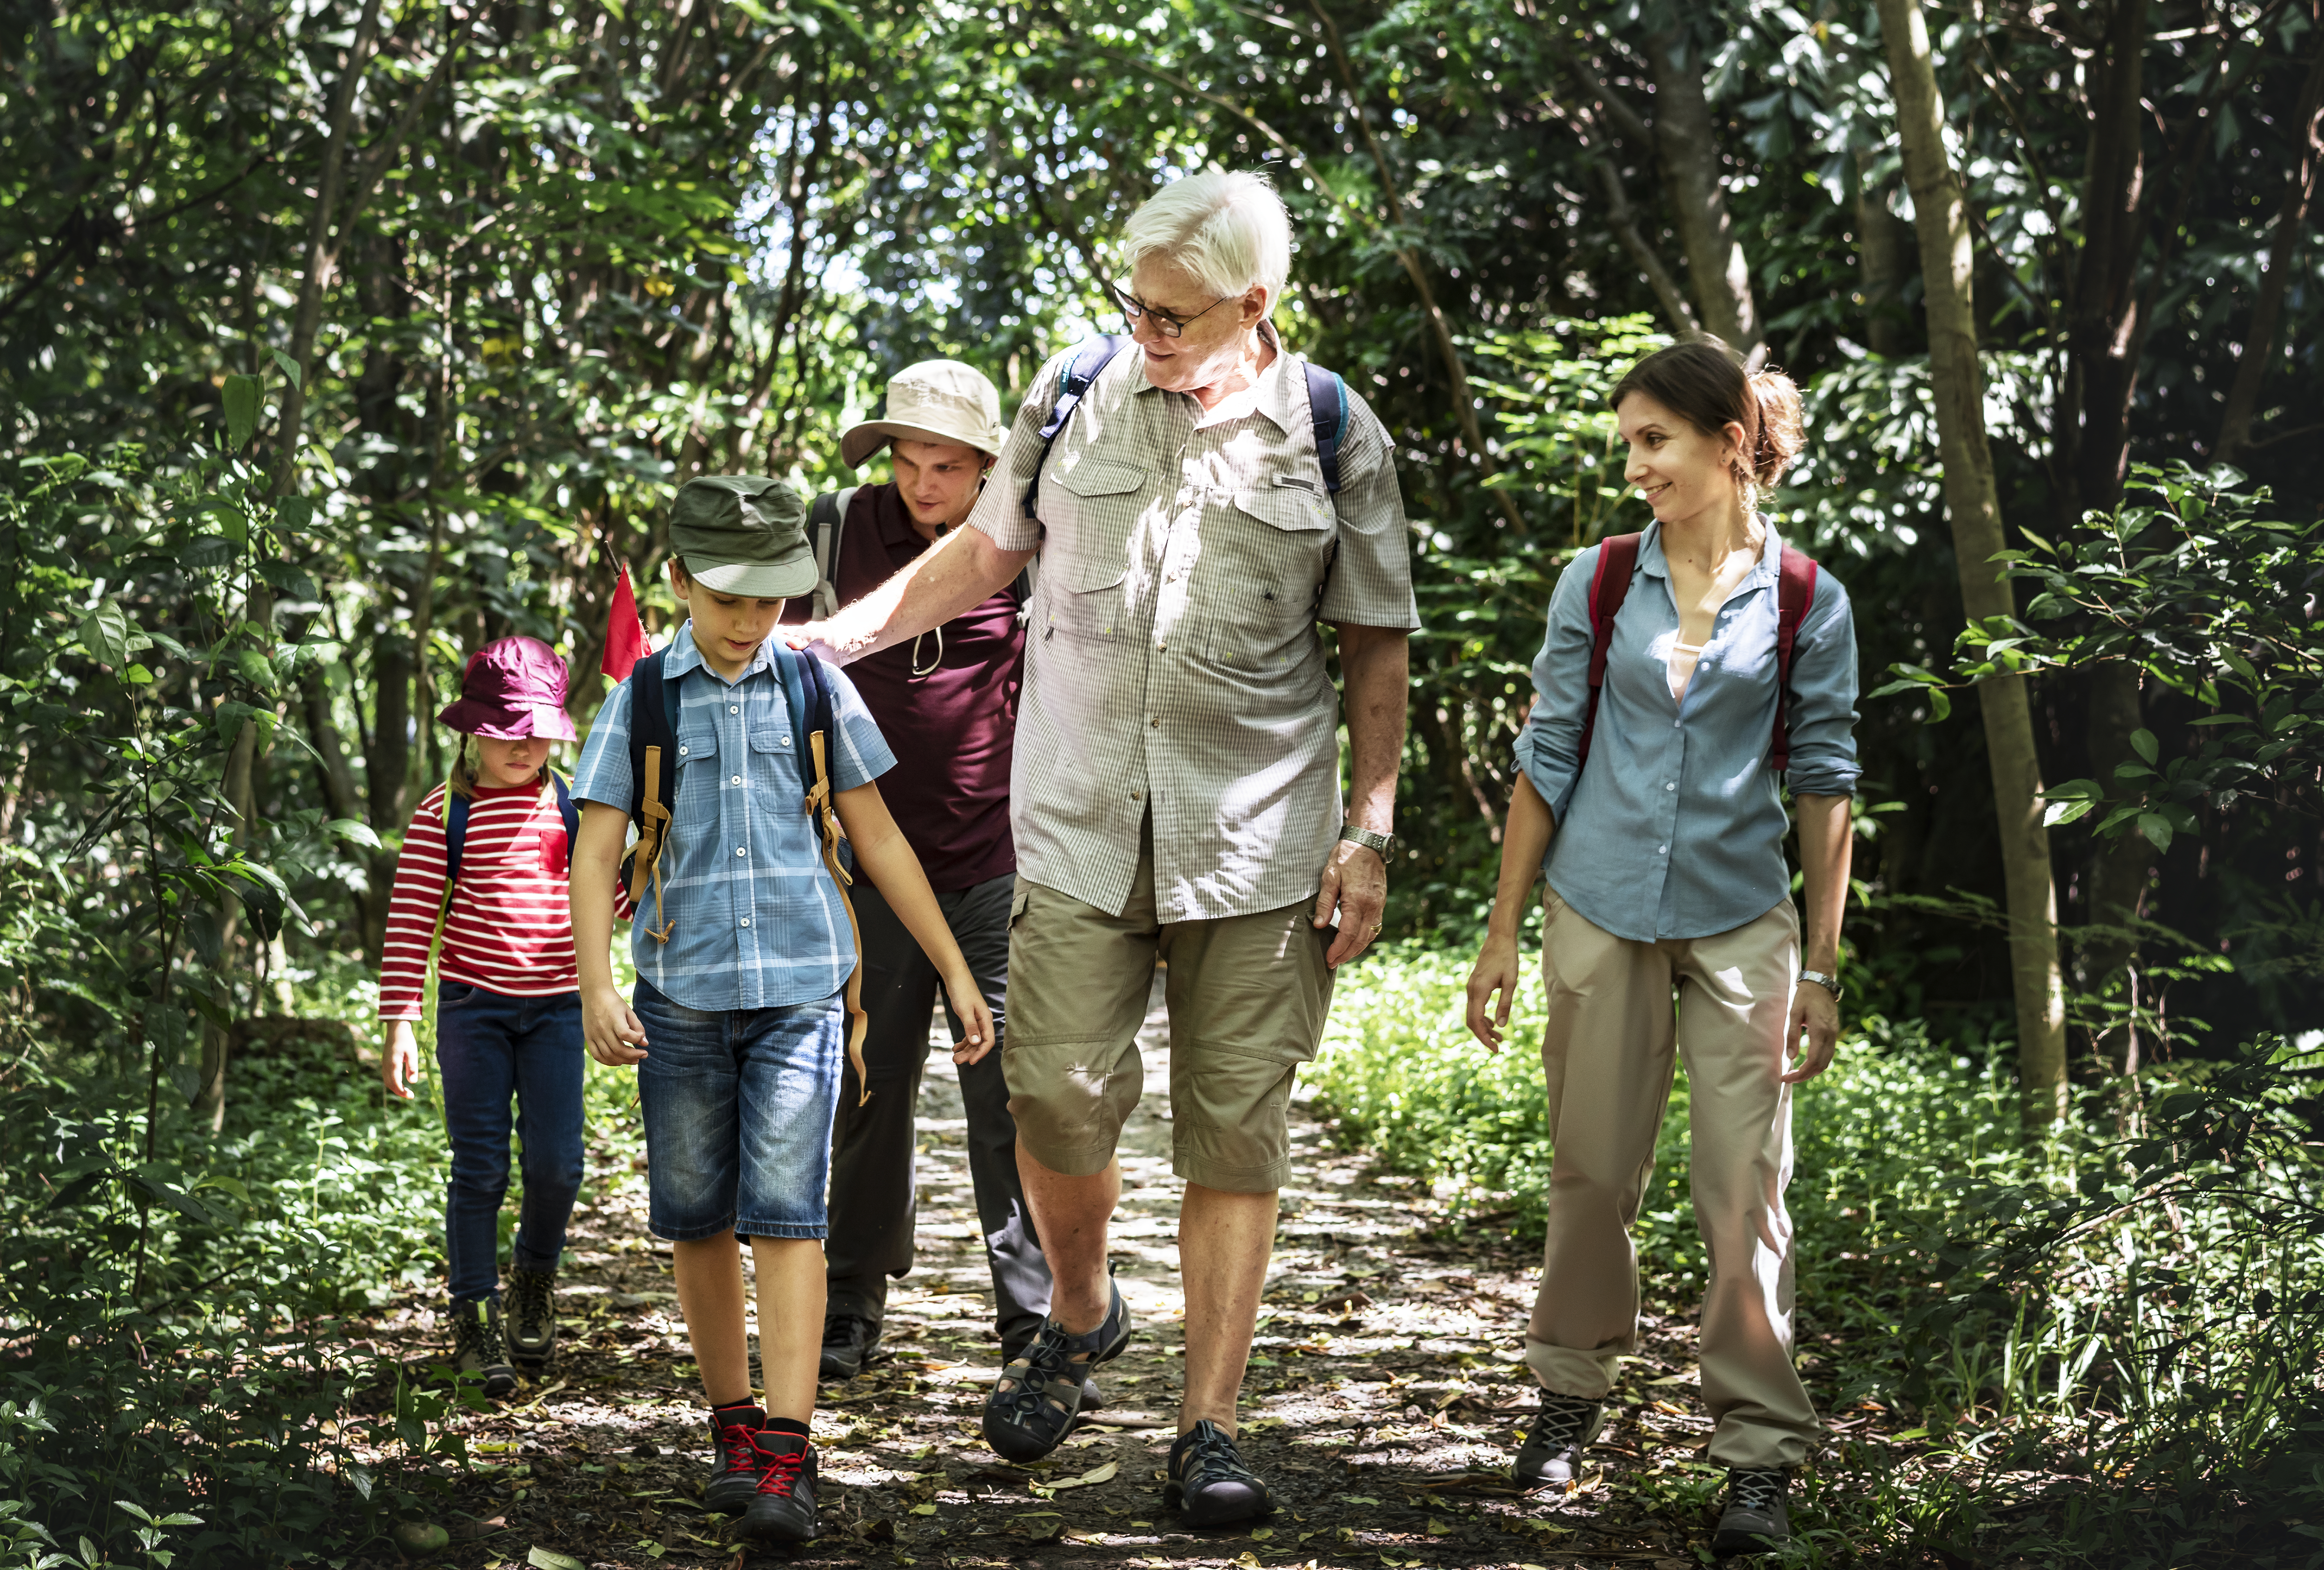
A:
934	401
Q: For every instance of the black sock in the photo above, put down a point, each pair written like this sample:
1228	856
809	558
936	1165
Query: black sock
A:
724	1407
787	1426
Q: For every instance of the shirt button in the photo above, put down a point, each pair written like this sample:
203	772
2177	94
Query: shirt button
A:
681	751
1155	721
746	920
787	741
1667	785
733	708
735	778
1133	795
1161	643
1662	850
742	850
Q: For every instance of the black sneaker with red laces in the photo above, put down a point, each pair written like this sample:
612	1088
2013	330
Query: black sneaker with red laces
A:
783	1510
734	1464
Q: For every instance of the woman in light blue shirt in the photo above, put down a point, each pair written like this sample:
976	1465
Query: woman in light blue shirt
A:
1648	795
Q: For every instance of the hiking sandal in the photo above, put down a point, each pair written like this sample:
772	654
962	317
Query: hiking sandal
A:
1039	1394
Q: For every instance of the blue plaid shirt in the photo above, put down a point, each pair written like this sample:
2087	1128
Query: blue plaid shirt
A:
756	921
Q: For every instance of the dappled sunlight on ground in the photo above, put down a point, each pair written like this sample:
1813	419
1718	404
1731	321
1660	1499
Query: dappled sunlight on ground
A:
1385	1401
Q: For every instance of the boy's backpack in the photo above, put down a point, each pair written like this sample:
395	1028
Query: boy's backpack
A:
1327	408
1617	563
826	524
456	827
653	738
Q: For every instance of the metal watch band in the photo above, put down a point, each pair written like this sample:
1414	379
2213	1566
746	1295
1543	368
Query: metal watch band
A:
1368	839
1829	984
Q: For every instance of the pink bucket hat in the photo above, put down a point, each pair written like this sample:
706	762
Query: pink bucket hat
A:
514	687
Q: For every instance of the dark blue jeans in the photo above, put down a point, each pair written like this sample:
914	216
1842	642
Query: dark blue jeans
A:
489	1047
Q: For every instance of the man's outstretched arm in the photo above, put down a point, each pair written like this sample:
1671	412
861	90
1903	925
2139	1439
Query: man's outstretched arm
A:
964	569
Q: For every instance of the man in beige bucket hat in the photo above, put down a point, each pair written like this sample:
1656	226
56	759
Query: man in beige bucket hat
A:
949	699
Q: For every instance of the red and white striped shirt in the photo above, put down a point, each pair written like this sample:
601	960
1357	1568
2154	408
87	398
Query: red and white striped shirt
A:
509	930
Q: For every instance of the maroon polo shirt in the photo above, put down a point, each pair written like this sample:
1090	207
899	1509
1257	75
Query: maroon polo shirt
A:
954	728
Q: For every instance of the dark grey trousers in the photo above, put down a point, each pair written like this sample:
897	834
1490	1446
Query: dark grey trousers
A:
873	1188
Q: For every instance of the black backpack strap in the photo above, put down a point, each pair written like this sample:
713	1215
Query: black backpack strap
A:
653	779
571	812
1327	407
455	837
1093	356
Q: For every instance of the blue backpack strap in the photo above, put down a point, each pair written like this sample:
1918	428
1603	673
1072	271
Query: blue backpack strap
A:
1327	407
1093	356
456	836
571	812
653	725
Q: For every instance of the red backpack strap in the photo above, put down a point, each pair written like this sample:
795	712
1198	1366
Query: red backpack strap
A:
1796	587
1610	586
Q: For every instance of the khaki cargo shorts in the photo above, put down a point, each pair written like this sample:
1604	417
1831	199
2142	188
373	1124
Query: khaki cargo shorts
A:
1247	997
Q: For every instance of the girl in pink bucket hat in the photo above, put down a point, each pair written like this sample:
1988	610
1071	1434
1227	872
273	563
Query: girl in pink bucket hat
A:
483	866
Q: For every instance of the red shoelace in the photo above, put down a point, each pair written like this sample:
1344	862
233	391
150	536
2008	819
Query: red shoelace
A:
782	1471
741	1455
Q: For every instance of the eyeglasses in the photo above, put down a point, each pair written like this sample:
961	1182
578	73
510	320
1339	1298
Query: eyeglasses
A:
1134	309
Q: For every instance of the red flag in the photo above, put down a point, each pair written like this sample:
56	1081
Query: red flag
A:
625	635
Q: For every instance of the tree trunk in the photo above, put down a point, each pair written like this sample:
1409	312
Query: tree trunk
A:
1884	260
2290	228
1942	221
2102	333
1688	144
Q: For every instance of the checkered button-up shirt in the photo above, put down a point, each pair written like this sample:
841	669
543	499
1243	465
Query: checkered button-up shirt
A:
1173	666
756	922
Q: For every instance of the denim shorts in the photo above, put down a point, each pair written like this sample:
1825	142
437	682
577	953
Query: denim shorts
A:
738	1106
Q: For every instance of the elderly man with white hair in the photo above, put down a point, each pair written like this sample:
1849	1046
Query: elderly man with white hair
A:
1200	503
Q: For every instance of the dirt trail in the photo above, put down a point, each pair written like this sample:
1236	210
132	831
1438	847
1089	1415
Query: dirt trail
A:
1383	1406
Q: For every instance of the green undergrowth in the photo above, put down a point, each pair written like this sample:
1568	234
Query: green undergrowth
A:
2098	1349
195	1412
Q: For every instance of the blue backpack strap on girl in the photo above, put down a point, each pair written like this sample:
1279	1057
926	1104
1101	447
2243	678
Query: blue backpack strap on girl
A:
1327	409
456	826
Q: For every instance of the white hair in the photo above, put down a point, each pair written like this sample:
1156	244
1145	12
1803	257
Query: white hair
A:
1229	230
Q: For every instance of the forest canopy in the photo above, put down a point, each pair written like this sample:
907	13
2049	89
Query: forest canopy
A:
338	338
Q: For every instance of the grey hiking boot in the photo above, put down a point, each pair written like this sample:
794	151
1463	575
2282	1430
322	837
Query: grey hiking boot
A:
478	1347
1561	1430
1754	1520
531	1324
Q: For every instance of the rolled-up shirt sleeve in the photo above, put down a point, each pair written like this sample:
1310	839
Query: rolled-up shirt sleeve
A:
1820	715
999	513
1371	583
1549	747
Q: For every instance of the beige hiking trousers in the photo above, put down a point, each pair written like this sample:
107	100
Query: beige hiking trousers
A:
1607	1053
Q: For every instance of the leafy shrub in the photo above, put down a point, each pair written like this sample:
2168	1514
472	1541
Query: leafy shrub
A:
2144	1306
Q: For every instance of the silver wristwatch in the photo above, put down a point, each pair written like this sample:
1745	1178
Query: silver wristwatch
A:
1369	839
1829	984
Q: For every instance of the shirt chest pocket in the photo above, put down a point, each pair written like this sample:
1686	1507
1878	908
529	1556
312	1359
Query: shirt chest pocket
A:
1088	513
697	776
775	763
1265	557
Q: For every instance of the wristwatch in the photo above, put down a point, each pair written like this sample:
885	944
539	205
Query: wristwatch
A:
1829	984
1369	839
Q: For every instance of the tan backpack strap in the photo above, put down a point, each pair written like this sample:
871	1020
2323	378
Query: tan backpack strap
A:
653	837
819	806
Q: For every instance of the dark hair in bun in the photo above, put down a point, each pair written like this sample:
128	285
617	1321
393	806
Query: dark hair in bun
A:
1704	383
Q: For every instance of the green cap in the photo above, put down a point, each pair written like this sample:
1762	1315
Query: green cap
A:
742	534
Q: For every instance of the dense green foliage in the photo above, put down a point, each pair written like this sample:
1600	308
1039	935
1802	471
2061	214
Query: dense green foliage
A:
339	336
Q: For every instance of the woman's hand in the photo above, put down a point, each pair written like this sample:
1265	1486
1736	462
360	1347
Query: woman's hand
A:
614	1036
969	1007
1815	1013
399	1061
1496	972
